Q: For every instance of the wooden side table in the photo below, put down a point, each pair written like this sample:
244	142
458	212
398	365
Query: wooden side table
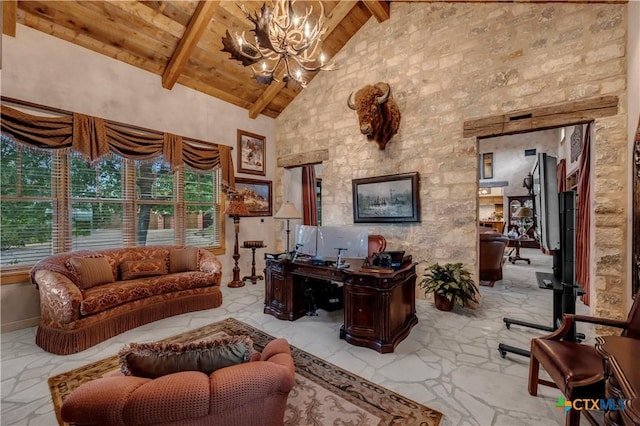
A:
622	373
517	243
253	245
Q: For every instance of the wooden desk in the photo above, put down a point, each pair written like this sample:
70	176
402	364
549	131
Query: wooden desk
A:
622	372
379	309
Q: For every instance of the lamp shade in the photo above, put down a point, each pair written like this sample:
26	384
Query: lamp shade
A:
236	206
523	212
288	211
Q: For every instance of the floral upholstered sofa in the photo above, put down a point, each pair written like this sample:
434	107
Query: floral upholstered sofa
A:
87	297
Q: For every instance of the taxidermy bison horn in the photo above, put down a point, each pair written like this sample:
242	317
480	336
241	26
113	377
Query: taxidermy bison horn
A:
384	98
350	103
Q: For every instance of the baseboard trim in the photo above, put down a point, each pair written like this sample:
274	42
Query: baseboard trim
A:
19	325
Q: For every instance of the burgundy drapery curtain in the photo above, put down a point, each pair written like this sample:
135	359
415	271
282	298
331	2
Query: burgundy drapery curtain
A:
309	196
583	244
562	175
94	137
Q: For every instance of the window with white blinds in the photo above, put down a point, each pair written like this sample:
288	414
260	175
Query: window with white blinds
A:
54	201
28	202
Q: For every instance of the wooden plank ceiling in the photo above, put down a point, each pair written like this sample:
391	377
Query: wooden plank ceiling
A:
181	41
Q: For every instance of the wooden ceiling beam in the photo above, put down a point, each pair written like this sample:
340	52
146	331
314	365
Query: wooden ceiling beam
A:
378	8
197	25
9	15
336	16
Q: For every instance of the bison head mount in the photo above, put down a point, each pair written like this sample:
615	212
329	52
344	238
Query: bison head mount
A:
378	113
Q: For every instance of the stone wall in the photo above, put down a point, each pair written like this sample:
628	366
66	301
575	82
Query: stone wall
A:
452	62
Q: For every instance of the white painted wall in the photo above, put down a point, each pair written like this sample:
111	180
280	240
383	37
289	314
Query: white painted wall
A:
45	70
509	161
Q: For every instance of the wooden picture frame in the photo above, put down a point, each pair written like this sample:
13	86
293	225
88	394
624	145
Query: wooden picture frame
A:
386	199
257	195
251	153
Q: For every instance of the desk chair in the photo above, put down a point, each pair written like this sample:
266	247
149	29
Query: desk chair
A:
576	369
377	244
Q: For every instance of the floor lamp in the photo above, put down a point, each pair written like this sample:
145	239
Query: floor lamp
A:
235	209
288	211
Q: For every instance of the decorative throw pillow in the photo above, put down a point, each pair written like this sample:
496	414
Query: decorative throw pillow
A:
181	260
92	271
152	360
132	269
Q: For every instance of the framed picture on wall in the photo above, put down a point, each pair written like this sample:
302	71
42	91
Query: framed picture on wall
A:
251	153
391	198
257	195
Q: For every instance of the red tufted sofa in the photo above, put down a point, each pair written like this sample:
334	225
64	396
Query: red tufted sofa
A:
73	318
250	394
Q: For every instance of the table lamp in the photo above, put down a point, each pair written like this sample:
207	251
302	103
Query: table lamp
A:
288	211
235	209
523	213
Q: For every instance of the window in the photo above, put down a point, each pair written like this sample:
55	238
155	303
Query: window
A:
97	204
27	200
155	203
53	201
486	165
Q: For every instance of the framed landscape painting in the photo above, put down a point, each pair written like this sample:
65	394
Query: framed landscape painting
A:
391	198
251	153
257	195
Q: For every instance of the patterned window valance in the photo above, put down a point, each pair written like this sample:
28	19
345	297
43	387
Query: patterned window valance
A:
95	137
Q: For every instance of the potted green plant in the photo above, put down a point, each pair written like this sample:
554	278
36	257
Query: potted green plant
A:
449	284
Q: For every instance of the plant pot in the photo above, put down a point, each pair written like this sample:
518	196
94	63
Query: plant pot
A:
442	303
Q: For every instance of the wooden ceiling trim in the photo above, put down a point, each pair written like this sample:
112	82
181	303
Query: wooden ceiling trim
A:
46	26
9	16
199	21
379	9
91	23
336	16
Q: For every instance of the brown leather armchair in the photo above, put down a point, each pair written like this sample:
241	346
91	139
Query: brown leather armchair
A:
492	247
377	243
576	369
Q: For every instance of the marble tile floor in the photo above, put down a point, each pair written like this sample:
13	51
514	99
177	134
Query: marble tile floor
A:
449	362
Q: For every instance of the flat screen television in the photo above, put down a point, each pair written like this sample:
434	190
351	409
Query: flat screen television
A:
546	202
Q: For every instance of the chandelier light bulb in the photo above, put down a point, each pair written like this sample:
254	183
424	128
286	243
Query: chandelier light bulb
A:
264	66
306	29
322	59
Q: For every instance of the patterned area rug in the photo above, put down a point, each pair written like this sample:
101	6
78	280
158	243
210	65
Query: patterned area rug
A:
324	394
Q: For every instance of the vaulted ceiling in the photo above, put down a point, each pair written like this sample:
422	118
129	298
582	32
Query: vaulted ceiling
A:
181	41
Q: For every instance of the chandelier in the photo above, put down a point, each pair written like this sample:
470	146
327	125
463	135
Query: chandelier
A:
283	41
